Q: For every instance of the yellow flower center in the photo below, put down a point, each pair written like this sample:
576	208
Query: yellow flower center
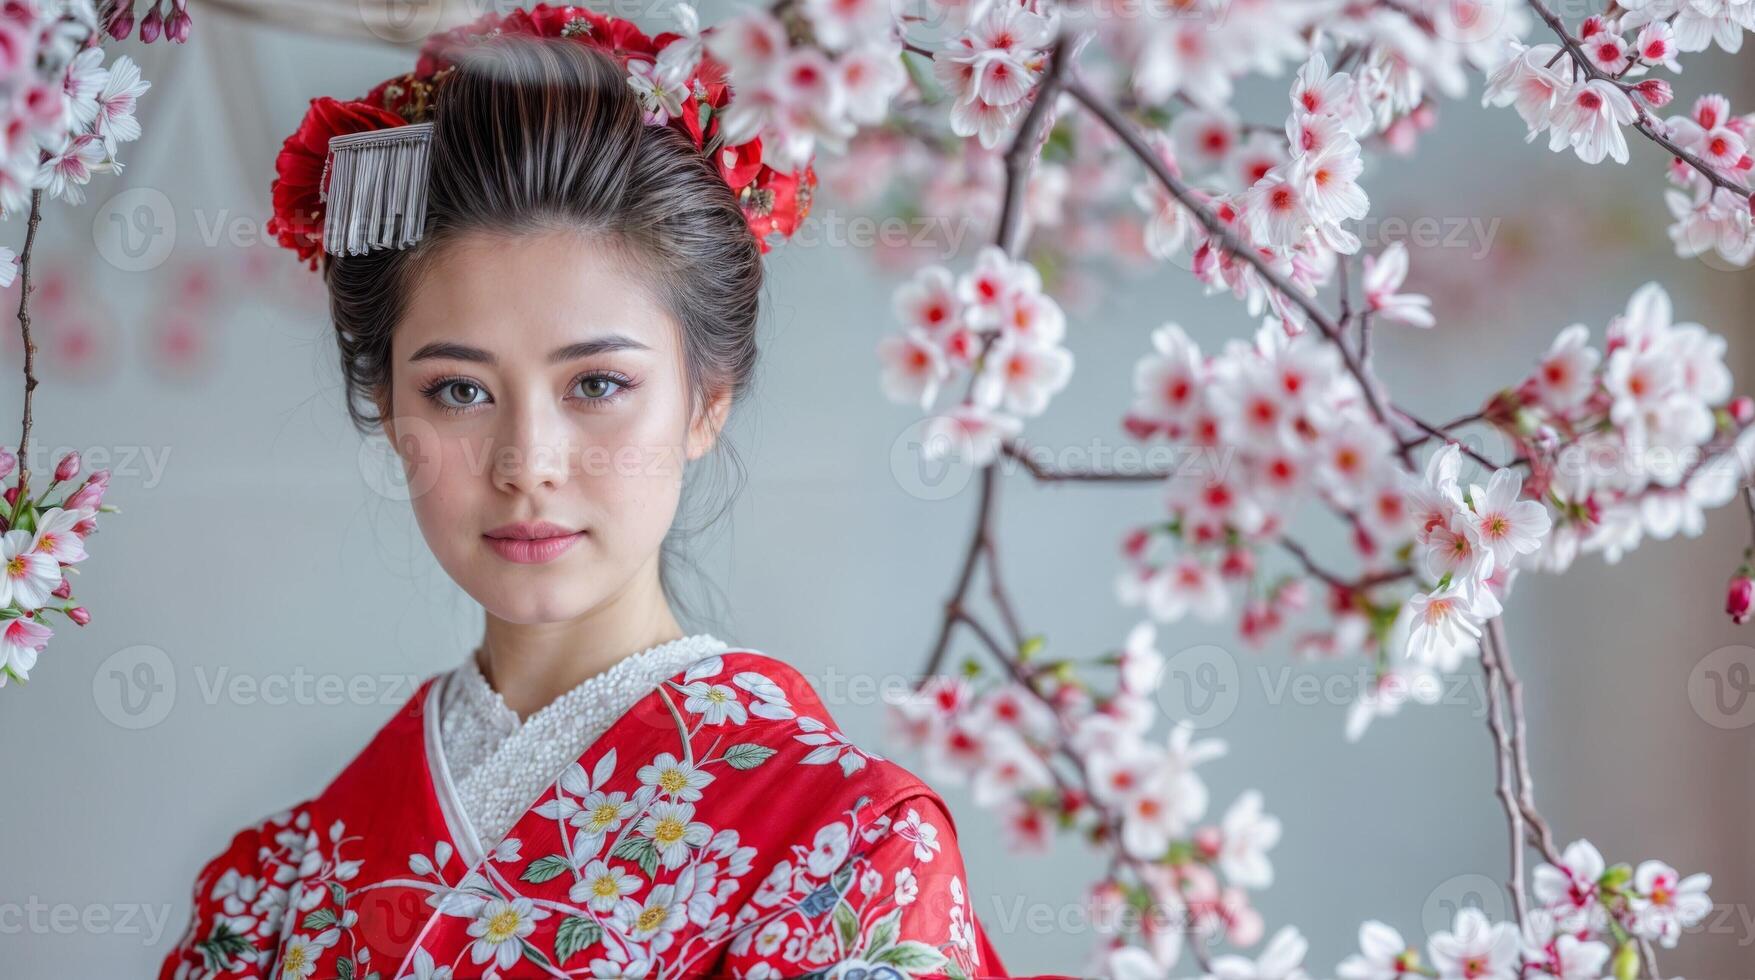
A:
673	780
604	815
651	917
294	965
502	926
668	831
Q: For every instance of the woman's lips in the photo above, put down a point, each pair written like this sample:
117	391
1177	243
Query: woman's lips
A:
533	551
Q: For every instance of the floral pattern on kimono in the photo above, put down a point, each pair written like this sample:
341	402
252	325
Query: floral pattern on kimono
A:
722	827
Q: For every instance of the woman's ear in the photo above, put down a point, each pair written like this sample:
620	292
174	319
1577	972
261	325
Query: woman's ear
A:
704	430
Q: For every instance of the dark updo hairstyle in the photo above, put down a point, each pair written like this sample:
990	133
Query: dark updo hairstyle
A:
537	134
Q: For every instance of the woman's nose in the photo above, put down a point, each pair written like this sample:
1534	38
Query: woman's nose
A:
536	451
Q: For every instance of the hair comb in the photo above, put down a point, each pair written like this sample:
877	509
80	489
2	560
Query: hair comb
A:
375	185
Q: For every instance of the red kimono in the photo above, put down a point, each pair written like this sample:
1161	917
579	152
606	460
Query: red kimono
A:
722	827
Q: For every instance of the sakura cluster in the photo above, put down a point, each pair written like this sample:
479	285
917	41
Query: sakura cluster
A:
1048	750
1587	921
1633	441
993	324
1583	96
991	67
66	112
797	97
41	542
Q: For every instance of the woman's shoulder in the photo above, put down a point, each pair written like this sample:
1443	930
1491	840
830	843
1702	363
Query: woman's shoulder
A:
753	684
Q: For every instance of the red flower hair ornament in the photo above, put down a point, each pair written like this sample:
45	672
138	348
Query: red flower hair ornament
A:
353	177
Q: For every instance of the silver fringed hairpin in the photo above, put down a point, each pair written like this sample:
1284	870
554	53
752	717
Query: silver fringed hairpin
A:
376	189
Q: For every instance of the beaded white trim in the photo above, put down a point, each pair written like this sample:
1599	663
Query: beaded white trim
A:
498	766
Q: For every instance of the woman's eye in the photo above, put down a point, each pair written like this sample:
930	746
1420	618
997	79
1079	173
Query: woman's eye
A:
465	393
597	387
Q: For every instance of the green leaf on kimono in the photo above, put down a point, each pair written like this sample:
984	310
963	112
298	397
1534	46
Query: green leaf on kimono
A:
533	954
344	968
338	893
638	850
846	925
221	946
883	932
574	934
321	919
912	956
748	755
955	972
545	869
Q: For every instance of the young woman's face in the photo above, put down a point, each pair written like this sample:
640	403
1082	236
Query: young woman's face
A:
533	380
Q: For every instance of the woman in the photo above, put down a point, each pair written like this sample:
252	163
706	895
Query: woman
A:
591	792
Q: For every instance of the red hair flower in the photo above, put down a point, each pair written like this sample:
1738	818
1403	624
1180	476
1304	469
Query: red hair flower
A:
774	202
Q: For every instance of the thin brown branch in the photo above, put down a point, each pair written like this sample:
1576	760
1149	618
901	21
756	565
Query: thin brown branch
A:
1439	432
1020	157
30	350
1354	585
1542	833
1502	768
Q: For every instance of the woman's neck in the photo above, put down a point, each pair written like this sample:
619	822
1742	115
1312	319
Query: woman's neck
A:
531	664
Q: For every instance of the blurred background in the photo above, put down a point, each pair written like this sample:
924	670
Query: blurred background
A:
263	545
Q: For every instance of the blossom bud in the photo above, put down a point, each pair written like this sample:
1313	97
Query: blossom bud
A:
1655	91
1742	412
68	468
1209	841
1363	541
1139	428
151	25
8	459
177	29
64	590
1740	597
12	494
122	22
1238	563
1591	26
91	495
1136	542
79	615
1626	966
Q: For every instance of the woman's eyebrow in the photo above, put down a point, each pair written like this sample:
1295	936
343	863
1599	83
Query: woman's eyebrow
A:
448	350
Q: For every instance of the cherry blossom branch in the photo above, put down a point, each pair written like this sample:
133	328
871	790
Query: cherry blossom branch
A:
1644	122
1544	835
1358	585
1502	768
1441	433
1018	160
1110	821
1020	157
30	349
1230	244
